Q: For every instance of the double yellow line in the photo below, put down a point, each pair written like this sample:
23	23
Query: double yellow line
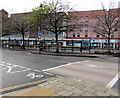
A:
23	85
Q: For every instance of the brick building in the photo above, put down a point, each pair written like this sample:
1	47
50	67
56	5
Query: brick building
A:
87	26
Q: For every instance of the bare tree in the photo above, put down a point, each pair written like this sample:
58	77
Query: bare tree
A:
53	18
19	24
108	22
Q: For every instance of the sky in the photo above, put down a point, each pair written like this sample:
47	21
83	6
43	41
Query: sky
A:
20	6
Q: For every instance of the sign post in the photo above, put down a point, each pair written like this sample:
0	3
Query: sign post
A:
91	39
39	37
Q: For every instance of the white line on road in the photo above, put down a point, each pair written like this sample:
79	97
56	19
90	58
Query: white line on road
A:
3	62
48	73
58	61
63	65
19	71
37	70
8	64
114	80
9	69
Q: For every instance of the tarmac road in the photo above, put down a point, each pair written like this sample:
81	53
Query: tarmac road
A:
19	67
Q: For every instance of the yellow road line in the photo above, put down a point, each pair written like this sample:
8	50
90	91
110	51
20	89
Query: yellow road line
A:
35	91
22	85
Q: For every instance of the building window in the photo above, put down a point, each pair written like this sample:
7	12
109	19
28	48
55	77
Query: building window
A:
103	34
94	29
81	29
97	35
81	17
81	23
103	28
86	29
98	22
78	34
98	16
112	17
86	17
112	35
73	34
86	34
116	22
86	23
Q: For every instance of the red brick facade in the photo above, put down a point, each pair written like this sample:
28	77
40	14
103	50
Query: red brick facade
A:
86	22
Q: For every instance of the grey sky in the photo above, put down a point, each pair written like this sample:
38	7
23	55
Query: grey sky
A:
16	6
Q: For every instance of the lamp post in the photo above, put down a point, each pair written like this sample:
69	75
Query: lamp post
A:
39	31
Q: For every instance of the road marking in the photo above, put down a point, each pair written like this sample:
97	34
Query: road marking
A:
37	70
8	64
48	73
58	61
63	65
29	53
93	66
114	80
19	71
23	85
32	75
36	91
16	65
58	76
3	62
9	69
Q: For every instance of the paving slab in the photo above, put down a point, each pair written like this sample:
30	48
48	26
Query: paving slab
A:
61	88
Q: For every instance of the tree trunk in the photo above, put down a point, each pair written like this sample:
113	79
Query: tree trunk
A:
23	46
109	52
57	45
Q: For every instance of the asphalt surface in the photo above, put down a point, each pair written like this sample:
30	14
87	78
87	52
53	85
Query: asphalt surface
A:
19	67
117	84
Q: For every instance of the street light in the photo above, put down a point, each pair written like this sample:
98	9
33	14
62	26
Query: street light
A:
39	31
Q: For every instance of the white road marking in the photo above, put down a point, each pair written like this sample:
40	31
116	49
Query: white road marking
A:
63	65
29	53
93	66
9	69
16	65
33	75
58	76
48	73
114	80
3	62
58	61
8	64
19	71
37	70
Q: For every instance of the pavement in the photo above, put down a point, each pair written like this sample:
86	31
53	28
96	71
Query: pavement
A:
66	86
76	54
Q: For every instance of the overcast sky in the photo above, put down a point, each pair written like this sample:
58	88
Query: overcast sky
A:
17	6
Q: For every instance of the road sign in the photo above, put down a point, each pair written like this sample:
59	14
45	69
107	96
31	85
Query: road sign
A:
106	41
39	34
91	38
